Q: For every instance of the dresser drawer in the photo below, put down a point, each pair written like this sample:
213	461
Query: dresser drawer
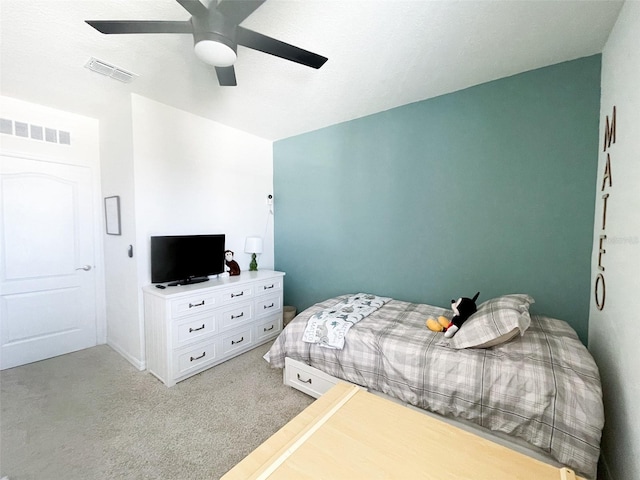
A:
268	304
307	379
237	340
267	328
236	315
193	304
237	294
193	329
187	360
267	286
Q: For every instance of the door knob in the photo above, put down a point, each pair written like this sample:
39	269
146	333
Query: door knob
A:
86	268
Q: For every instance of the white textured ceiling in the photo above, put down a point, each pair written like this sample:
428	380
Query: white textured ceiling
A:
382	54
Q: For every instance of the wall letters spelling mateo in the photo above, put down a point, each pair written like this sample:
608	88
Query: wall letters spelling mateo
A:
609	138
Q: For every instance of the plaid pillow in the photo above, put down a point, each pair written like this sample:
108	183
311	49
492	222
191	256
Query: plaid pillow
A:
497	321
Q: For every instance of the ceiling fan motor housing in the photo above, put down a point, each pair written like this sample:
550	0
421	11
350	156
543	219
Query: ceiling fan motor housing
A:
215	39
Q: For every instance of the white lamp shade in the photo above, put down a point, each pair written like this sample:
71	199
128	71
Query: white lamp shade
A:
253	245
215	53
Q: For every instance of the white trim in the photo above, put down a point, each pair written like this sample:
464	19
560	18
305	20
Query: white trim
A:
139	364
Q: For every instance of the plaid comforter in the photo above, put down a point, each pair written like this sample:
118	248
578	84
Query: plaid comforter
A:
543	387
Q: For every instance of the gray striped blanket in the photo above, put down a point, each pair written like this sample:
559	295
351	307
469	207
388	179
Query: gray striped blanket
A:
543	387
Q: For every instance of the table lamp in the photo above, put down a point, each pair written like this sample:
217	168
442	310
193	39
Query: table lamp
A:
253	245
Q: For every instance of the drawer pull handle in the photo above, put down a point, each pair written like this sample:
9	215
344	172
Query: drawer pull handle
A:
269	329
269	306
237	294
191	305
268	287
303	381
198	358
233	342
196	329
233	317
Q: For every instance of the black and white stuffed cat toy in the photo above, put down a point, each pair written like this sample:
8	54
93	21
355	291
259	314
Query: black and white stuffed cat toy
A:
462	308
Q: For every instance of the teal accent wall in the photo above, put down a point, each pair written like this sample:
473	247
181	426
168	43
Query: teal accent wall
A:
487	189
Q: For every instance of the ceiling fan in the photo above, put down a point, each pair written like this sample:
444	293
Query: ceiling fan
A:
216	33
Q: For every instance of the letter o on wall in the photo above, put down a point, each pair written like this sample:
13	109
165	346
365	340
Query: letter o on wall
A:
600	286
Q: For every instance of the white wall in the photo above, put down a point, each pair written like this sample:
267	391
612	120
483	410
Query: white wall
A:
614	331
124	328
82	151
194	175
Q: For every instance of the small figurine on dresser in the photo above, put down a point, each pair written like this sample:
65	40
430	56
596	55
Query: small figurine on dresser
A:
231	266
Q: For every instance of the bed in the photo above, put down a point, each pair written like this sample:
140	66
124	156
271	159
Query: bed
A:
524	377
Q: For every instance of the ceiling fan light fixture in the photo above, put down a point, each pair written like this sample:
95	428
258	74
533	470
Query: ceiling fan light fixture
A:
216	53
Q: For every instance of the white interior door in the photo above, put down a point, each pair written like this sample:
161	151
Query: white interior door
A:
47	280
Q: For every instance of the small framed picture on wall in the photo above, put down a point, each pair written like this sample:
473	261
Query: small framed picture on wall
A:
112	215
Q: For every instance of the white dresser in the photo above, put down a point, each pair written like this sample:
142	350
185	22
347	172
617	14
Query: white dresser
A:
190	328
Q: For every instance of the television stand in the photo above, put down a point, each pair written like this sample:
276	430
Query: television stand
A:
188	281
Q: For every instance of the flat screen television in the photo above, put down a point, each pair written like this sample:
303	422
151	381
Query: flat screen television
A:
184	259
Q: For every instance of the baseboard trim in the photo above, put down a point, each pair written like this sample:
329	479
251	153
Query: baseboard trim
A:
139	364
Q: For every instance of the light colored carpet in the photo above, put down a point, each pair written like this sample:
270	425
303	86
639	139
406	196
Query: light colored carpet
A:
91	415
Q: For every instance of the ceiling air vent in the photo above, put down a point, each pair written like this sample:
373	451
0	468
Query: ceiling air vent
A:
111	71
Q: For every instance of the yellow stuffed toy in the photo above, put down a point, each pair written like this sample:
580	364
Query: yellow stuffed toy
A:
439	325
462	308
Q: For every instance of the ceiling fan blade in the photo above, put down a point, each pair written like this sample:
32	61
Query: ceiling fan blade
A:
226	76
269	45
238	10
194	7
140	26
